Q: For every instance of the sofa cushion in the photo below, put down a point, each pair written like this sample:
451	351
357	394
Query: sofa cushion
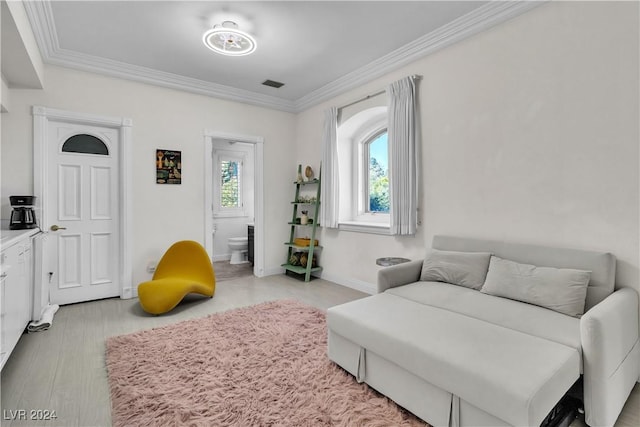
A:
525	318
467	269
561	289
601	264
515	376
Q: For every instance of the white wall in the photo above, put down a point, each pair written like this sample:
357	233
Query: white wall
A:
5	103
530	134
162	118
22	64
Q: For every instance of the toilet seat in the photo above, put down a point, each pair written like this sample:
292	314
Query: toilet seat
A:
239	248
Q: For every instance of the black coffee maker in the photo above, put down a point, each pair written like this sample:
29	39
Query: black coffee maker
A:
22	215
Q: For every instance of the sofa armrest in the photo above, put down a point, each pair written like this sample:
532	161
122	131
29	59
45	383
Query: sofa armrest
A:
398	275
610	348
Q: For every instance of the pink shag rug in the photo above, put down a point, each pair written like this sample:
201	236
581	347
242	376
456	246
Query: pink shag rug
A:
264	365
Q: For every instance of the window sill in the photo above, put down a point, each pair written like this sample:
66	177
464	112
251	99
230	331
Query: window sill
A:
230	215
365	227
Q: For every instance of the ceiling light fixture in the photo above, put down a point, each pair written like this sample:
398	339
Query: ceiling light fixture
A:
227	39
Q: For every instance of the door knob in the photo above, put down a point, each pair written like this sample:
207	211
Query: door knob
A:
56	228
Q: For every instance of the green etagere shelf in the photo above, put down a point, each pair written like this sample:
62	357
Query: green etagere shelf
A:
299	230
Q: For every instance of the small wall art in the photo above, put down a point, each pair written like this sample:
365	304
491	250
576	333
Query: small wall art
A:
168	166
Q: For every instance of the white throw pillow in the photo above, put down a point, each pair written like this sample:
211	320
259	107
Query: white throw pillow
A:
560	289
467	269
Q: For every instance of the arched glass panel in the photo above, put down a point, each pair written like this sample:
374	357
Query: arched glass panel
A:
86	144
377	157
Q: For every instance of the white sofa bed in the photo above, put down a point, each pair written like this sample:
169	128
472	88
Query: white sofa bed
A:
459	355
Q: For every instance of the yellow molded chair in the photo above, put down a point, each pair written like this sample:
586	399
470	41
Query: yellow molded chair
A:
183	269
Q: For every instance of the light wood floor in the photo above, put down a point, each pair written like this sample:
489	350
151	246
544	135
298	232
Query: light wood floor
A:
63	369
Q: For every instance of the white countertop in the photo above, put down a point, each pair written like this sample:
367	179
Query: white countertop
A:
11	237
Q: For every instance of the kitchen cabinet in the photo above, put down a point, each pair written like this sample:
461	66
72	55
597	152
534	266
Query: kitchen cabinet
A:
16	290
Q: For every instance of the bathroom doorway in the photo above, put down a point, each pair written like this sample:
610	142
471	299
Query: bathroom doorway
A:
233	197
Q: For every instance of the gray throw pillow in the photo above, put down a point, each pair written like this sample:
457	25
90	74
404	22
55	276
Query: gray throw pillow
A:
467	269
560	289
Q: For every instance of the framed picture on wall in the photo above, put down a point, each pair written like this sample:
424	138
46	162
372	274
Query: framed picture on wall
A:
168	166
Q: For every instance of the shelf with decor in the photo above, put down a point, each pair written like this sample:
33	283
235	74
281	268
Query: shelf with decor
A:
302	246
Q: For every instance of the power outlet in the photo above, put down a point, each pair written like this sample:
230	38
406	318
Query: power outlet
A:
151	267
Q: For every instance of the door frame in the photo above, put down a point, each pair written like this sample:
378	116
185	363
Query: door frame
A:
41	118
258	180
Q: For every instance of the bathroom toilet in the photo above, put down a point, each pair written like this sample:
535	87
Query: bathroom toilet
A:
239	247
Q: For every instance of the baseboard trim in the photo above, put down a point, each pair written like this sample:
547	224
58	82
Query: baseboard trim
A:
128	293
358	285
272	271
132	293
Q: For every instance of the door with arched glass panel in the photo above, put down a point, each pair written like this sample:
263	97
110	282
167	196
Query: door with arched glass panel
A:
83	212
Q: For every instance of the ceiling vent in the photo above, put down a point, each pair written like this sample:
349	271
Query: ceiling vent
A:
273	83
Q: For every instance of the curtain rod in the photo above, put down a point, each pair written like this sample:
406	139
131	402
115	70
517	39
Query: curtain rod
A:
364	98
373	95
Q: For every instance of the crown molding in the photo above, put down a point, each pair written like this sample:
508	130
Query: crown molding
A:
480	19
43	24
109	67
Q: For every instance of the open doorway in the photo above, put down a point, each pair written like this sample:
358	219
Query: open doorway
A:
234	197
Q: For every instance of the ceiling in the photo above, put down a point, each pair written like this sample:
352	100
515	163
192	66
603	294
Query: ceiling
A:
318	49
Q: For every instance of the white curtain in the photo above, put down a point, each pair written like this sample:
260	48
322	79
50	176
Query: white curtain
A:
402	130
330	190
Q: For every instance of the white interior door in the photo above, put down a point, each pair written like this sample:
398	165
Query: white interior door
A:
82	212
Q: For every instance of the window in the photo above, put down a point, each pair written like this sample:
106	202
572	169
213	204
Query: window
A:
376	194
85	144
363	152
371	176
228	186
